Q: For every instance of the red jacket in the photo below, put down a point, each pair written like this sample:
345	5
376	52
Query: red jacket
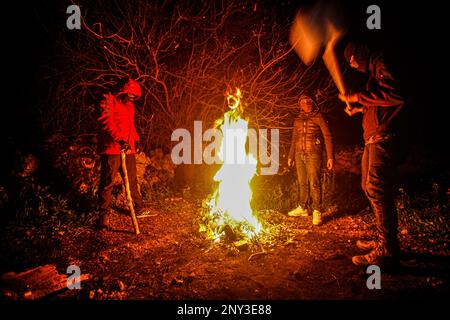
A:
116	123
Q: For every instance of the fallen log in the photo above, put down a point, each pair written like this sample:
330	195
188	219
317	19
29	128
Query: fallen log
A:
35	283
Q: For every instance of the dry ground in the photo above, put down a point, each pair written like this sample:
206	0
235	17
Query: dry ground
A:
172	260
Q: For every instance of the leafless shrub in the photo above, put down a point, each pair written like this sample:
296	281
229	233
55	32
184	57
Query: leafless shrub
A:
185	54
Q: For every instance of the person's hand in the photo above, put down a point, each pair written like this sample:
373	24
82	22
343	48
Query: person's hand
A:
137	147
124	146
349	97
290	162
352	111
330	164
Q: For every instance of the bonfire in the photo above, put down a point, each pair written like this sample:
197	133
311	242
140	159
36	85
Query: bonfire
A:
229	213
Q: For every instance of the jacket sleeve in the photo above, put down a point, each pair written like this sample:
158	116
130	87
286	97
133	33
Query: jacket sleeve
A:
385	93
108	118
327	136
135	134
294	141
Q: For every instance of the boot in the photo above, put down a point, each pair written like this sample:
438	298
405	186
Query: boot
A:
366	245
378	257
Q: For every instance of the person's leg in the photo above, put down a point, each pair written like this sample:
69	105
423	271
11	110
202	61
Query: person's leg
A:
109	165
364	168
364	244
379	189
301	210
313	163
313	169
302	180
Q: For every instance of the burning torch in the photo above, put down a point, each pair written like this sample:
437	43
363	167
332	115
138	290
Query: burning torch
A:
317	29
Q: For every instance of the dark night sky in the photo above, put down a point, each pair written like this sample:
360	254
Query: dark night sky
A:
415	32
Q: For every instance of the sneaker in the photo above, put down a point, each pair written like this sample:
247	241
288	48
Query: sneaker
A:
317	218
298	212
366	245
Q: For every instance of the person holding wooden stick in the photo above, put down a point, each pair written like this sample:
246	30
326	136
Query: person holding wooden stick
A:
380	105
117	133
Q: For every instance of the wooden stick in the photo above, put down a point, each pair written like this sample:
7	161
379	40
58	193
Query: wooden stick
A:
331	61
35	283
128	191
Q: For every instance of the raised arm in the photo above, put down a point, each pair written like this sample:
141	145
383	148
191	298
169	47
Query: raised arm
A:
385	93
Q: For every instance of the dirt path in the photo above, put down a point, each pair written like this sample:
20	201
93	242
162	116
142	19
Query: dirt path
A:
171	260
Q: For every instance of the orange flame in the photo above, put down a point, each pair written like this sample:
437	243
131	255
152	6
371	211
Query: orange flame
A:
233	195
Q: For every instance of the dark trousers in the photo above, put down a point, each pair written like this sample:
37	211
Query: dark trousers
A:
110	165
308	173
378	171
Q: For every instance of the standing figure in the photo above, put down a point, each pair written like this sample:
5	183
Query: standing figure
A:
310	131
117	132
381	102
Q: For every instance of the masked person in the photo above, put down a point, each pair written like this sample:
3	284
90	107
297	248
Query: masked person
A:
381	103
310	129
117	132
